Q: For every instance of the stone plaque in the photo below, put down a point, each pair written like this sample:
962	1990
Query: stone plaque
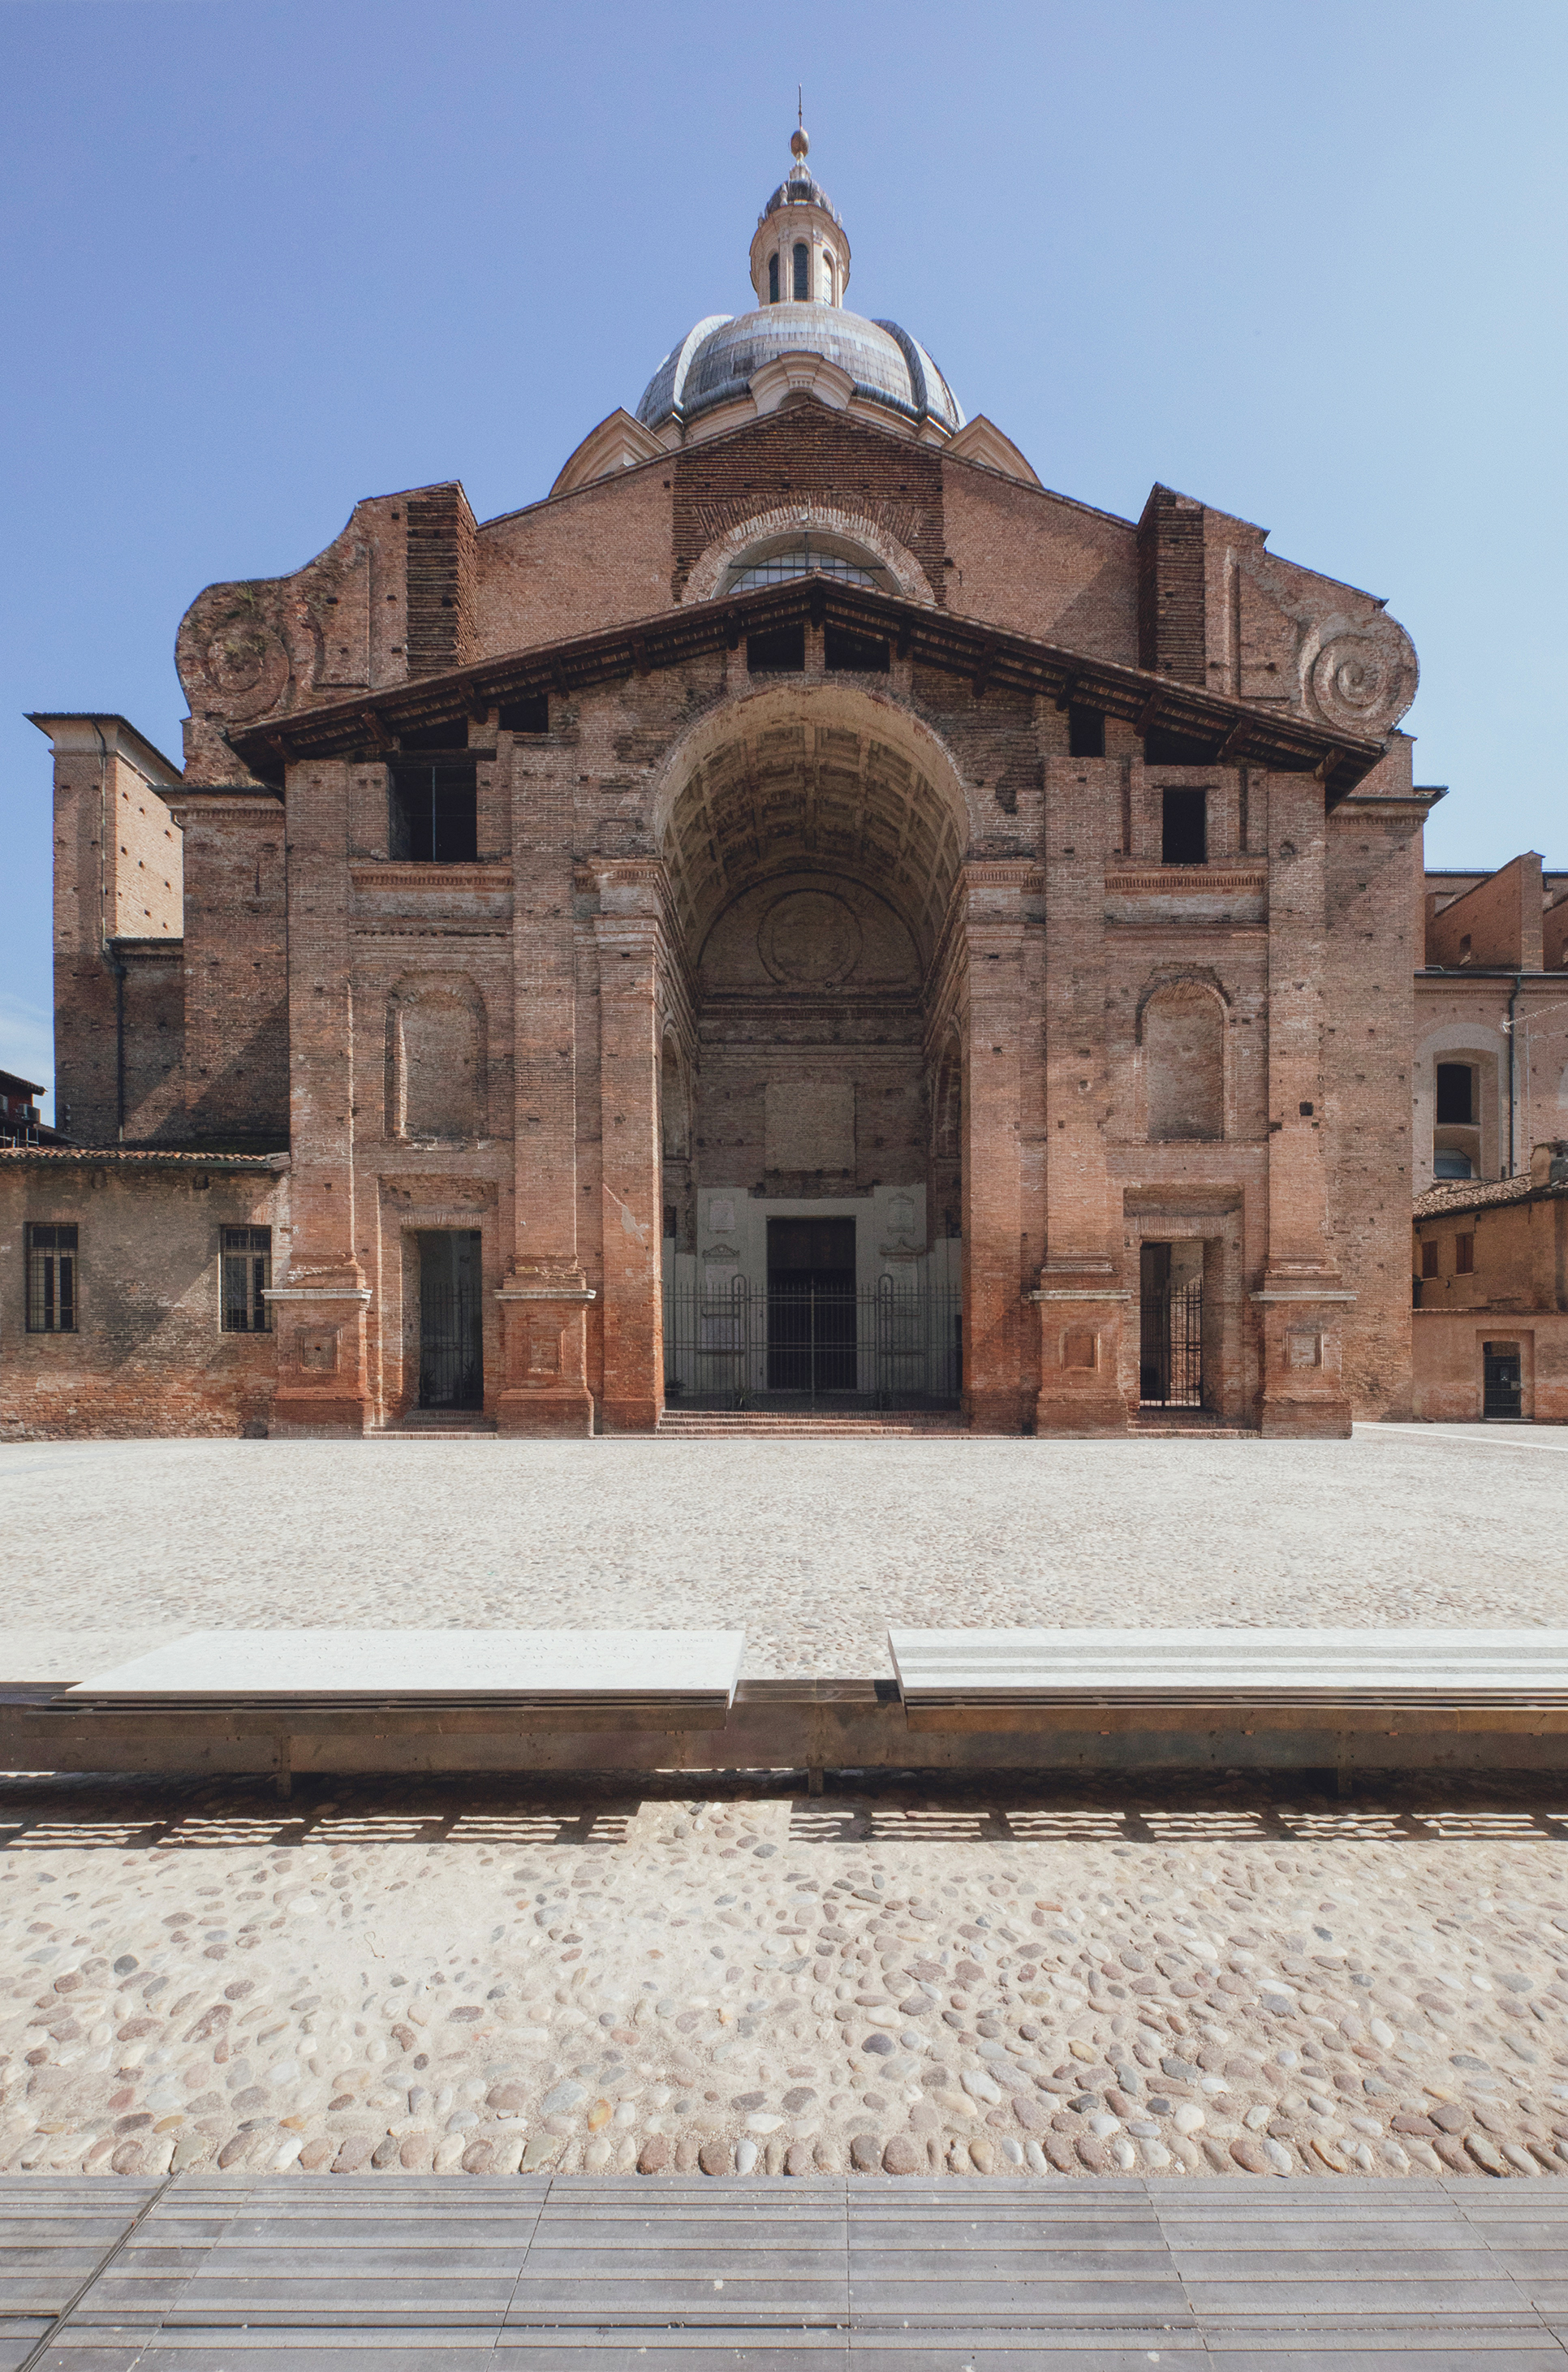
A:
315	1348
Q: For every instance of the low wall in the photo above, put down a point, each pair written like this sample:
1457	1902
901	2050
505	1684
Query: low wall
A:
1448	1362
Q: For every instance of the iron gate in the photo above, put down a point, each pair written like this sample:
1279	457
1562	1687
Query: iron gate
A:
893	1347
1170	1347
451	1357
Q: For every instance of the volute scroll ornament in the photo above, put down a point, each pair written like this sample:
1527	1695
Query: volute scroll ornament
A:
1360	679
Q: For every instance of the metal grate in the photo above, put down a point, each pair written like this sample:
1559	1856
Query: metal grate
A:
246	1279
51	1279
451	1357
886	1345
1170	1347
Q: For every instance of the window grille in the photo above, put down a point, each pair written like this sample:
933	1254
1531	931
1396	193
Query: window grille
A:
51	1279
246	1277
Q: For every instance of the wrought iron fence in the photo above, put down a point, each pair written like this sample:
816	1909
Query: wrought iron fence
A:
1170	1347
890	1345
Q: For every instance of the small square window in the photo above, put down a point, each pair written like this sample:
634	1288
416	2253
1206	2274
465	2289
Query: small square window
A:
844	653
247	1278
51	1279
530	715
1464	1255
1429	1257
433	812
777	650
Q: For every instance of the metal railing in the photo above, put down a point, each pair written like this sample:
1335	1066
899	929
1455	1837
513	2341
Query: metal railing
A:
890	1345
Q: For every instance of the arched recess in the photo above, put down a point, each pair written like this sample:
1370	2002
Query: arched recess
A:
814	835
1181	1042
436	1059
832	524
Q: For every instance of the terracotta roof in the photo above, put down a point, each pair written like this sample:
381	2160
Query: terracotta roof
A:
1475	1194
109	1156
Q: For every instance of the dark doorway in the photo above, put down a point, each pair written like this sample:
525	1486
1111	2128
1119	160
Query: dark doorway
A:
811	1306
1503	1392
1170	1334
451	1334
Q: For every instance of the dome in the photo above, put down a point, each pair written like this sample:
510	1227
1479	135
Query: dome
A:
715	363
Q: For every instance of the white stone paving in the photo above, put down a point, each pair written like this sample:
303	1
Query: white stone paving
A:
815	1548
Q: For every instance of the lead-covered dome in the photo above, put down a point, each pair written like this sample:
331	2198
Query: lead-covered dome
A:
717	361
800	267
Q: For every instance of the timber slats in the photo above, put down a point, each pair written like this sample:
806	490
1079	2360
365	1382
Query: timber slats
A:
608	2274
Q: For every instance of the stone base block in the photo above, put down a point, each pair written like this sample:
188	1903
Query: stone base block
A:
1314	1420
546	1416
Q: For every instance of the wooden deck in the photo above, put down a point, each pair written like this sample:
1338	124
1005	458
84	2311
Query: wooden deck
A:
606	2274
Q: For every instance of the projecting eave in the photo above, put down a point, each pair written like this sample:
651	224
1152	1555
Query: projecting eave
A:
1221	731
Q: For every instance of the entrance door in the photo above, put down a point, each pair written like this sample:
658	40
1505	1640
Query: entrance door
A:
811	1306
1503	1384
1170	1334
451	1338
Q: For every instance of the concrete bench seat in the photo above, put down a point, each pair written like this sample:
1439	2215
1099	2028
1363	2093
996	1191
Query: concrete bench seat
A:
688	1676
942	1671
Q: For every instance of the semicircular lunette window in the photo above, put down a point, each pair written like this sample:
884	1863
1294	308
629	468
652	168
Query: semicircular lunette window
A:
801	560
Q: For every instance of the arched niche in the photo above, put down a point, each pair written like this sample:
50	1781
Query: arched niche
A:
1181	1037
436	1059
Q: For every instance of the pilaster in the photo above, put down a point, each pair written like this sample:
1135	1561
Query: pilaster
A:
1081	1296
544	1295
1302	1301
628	933
318	1312
993	1023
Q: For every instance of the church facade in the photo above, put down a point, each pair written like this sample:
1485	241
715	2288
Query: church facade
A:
803	916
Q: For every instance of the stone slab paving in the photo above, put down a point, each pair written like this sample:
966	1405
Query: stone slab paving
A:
595	2272
404	1978
814	1547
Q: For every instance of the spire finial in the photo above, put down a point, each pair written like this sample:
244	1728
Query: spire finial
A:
799	139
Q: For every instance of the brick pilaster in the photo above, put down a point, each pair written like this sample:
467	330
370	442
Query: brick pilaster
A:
628	940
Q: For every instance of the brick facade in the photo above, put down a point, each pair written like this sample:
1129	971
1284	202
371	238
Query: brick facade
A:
786	905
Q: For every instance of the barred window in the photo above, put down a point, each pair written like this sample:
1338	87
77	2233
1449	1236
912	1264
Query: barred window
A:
247	1275
51	1279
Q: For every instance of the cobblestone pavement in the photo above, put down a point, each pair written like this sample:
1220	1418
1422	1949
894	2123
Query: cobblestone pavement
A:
443	1977
815	1547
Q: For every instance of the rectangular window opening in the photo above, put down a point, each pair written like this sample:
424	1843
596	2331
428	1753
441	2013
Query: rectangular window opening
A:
1429	1257
777	650
844	653
1464	1255
451	735
530	715
1086	732
51	1279
434	812
246	1279
1455	1095
1184	827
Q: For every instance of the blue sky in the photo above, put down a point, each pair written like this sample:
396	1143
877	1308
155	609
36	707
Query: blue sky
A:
261	261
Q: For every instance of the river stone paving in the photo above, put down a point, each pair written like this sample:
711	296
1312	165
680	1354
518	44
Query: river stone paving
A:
394	1980
815	1547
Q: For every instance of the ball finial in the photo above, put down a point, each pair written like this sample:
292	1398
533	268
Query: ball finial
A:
800	143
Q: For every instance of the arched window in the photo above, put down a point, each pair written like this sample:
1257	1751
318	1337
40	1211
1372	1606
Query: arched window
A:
802	272
773	279
827	280
1183	1038
799	560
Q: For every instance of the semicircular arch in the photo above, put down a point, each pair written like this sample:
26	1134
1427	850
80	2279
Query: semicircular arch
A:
811	778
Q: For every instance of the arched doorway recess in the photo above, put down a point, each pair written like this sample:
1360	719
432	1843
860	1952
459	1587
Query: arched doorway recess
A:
814	837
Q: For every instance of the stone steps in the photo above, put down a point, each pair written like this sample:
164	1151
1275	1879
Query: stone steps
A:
765	1424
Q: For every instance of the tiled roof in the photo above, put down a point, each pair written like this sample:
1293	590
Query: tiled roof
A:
109	1156
1474	1194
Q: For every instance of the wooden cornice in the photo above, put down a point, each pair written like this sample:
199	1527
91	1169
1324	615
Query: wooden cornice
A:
932	637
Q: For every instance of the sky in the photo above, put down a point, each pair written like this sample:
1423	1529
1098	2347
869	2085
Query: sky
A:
257	261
